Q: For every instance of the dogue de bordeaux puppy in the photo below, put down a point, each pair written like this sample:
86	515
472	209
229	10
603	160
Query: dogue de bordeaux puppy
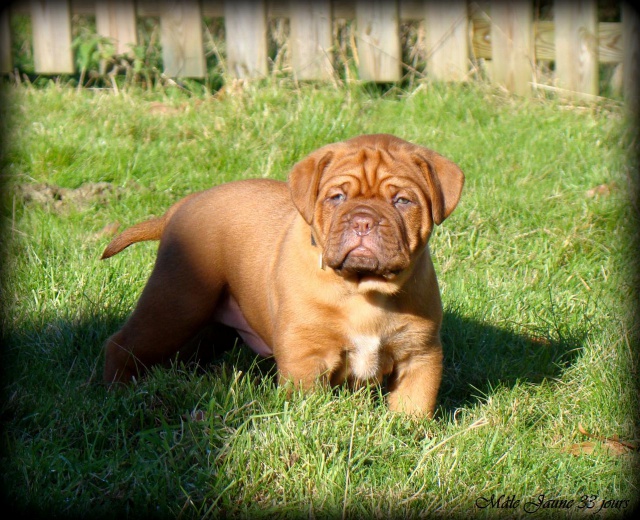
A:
329	273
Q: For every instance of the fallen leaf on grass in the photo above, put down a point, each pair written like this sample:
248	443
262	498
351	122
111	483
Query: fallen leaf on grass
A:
610	445
588	447
601	189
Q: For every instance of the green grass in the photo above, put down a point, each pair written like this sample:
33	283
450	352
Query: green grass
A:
537	281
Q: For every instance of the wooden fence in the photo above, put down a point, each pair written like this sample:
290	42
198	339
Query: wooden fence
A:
457	34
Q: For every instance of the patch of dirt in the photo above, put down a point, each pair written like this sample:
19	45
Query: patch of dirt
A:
58	198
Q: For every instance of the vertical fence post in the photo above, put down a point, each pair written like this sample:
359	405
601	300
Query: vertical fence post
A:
311	39
246	27
5	42
378	40
446	31
631	58
512	48
51	22
576	30
181	39
116	19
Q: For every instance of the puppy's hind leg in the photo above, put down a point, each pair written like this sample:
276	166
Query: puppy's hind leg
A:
174	306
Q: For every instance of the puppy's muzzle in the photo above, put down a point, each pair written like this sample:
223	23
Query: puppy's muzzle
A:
363	222
366	245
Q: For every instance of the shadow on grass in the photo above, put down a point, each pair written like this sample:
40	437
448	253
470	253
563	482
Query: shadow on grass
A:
478	357
52	373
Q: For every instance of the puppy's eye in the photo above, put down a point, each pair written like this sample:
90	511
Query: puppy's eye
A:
337	197
401	201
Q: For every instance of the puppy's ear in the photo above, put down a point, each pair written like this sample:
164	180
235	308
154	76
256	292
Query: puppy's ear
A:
304	181
444	182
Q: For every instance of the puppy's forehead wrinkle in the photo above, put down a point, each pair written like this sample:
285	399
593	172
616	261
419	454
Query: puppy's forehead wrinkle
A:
374	166
367	169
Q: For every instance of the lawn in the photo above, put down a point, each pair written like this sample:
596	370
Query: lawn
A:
537	277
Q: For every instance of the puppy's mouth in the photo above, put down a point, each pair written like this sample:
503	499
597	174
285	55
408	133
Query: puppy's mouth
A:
361	264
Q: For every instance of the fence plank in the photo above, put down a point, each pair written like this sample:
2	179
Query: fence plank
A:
480	37
576	28
116	19
446	34
545	40
609	40
610	48
5	42
378	40
181	39
630	67
246	27
512	48
311	39
51	22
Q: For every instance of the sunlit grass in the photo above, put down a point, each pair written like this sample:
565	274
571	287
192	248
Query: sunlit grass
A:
535	272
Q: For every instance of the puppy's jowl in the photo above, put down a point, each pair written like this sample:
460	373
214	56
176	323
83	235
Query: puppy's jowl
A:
329	273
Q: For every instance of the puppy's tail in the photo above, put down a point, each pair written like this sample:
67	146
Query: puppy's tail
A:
147	230
151	229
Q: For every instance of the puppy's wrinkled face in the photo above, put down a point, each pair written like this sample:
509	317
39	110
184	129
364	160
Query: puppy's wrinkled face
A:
372	202
370	214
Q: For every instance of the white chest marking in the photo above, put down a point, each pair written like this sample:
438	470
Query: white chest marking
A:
364	359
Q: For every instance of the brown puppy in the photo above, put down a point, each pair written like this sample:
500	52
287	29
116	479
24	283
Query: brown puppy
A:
330	273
